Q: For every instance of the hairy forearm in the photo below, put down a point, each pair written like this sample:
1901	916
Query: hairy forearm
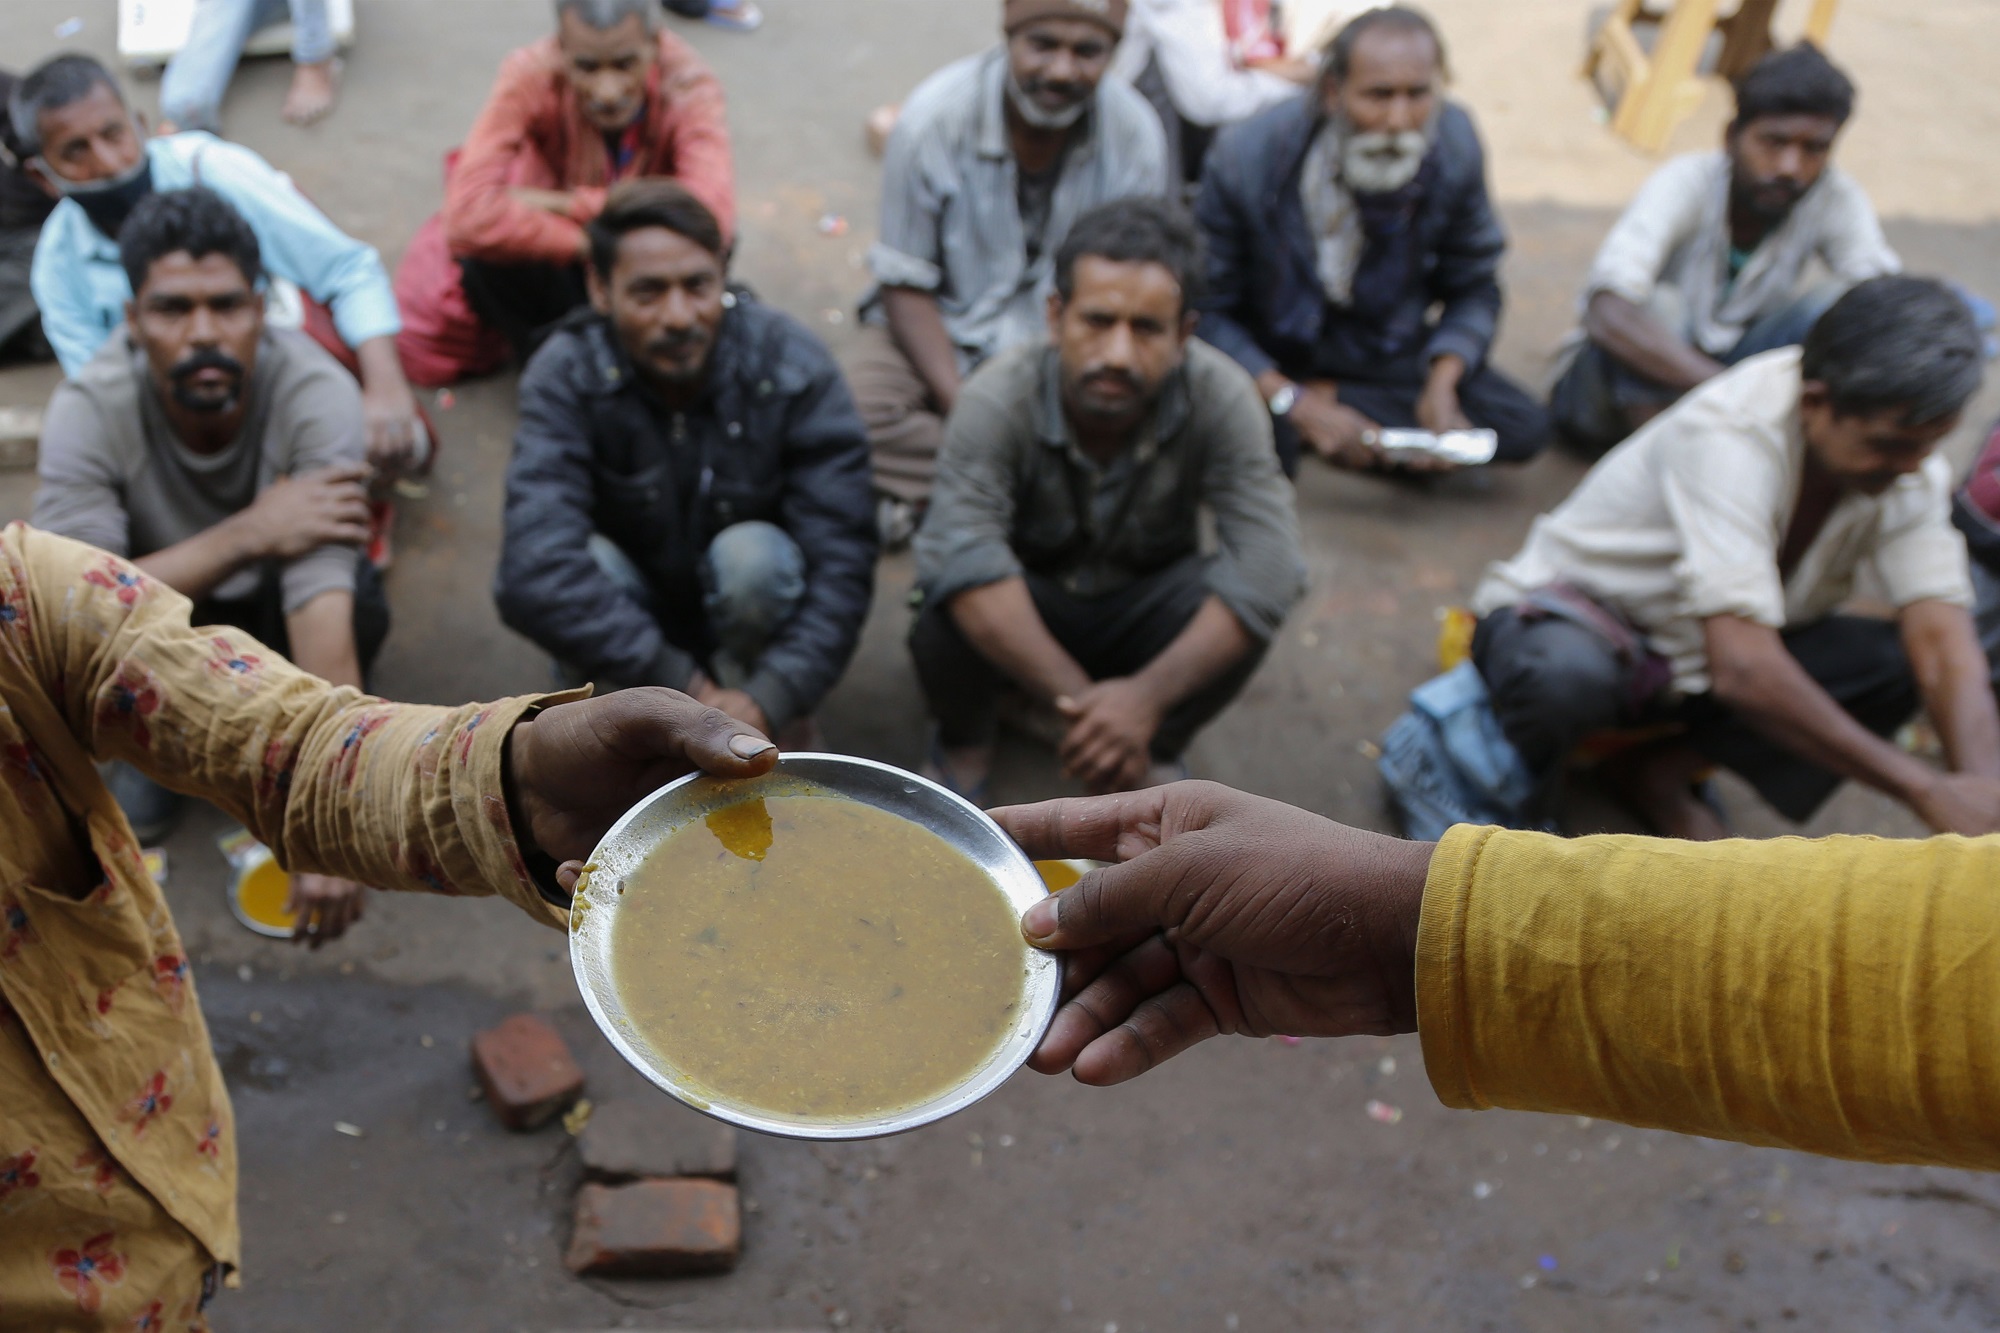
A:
194	567
1643	343
1954	678
1764	685
917	325
379	362
1001	623
1213	642
1830	996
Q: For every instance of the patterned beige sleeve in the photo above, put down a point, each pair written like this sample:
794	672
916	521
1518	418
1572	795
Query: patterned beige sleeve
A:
398	796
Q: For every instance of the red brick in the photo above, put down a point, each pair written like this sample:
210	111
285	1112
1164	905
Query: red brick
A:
526	1071
656	1228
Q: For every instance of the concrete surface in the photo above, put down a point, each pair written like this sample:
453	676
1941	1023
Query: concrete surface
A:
1244	1186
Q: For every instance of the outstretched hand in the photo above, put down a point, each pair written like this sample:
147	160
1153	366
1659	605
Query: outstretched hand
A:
576	768
1224	913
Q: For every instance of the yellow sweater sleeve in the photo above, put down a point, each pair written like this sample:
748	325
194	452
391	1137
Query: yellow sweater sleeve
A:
1839	996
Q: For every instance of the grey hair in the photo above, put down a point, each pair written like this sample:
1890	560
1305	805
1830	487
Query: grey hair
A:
604	15
55	83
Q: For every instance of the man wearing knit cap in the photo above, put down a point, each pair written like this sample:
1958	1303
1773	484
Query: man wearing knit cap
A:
993	158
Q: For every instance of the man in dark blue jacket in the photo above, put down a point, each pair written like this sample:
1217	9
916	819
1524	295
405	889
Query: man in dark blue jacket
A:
689	502
1337	223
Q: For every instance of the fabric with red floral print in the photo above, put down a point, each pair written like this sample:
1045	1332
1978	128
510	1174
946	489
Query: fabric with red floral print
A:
117	1148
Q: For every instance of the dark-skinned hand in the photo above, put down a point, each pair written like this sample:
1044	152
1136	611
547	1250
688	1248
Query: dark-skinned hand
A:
575	769
1223	913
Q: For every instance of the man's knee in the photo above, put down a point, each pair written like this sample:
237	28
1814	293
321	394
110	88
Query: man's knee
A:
753	578
1552	683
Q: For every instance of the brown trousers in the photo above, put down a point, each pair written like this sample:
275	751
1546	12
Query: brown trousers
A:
905	429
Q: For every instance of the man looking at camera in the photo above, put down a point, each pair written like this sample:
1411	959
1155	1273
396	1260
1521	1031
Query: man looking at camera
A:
228	460
992	160
1063	552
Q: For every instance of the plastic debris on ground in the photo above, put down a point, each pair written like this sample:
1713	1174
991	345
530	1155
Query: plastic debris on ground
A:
832	224
446	400
1384	1114
1548	1263
69	28
352	1131
1290	1041
576	1117
155	861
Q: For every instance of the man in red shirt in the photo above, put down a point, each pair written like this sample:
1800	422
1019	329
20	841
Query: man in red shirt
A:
608	98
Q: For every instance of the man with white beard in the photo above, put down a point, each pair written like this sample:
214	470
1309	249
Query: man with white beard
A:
1354	255
992	159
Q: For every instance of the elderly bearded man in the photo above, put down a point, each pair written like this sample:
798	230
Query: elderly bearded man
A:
1336	222
117	1145
993	159
606	99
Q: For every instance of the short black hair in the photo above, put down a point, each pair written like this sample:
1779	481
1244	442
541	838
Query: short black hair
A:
1339	58
198	221
1798	81
1897	343
651	202
1137	231
55	83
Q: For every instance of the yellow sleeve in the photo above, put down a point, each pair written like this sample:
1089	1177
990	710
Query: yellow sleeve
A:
397	796
1839	996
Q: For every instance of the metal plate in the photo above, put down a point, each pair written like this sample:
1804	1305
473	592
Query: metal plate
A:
960	823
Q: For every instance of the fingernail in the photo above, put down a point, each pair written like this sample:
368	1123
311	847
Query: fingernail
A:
1039	921
745	746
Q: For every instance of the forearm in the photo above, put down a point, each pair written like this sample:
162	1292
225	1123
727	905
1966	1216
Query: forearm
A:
1834	997
322	635
1641	342
917	325
1771	692
1001	623
380	365
194	567
1956	682
1213	642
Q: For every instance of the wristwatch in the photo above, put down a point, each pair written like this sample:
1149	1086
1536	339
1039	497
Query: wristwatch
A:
1282	402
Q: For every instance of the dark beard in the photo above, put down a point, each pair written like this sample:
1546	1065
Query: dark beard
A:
207	359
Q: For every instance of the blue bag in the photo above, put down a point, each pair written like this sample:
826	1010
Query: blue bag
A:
1447	762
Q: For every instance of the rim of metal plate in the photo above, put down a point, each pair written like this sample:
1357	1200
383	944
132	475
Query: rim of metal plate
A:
959	822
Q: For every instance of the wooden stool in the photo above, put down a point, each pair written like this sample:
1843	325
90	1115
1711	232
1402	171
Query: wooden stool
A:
1652	92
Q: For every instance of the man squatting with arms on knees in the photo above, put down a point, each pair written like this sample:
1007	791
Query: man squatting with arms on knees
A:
1062	556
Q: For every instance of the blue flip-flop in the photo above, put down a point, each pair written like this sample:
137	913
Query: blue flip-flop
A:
743	16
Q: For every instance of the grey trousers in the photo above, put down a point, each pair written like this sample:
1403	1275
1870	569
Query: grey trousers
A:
905	427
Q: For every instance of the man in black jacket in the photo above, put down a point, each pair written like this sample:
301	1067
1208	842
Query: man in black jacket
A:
1336	222
688	504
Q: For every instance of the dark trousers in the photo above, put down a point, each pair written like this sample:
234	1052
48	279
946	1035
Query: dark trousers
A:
20	323
1111	636
1387	393
1554	682
262	614
522	302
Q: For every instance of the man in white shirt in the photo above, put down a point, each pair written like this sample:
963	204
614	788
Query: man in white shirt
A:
1691	582
1707	267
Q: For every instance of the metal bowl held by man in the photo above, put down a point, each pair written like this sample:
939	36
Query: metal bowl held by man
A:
830	951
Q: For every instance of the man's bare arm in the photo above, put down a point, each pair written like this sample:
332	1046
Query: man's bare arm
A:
322	634
290	517
1758	678
1957	684
1000	620
917	325
1213	642
1643	343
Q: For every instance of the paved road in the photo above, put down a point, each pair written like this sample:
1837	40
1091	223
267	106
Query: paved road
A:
1245	1186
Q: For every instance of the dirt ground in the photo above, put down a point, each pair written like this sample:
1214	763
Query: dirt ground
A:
1245	1186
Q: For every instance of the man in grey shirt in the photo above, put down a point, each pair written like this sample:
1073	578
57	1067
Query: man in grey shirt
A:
1062	552
228	461
993	158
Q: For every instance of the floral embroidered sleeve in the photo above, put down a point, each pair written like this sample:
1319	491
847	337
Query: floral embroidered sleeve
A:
395	795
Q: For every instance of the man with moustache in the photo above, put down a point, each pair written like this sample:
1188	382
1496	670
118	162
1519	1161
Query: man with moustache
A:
1690	589
1707	266
992	159
608	98
228	461
1354	255
86	149
688	500
1062	555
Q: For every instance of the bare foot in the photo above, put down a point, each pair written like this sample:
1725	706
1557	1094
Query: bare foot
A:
312	94
881	123
964	770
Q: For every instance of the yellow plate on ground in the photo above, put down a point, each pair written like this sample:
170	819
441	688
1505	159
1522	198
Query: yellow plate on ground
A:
258	899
